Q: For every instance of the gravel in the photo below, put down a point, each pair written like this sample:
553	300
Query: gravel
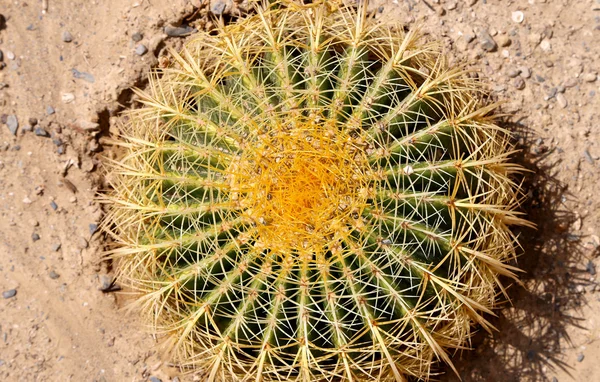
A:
9	293
591	268
155	379
486	41
54	205
67	36
141	49
35	236
93	227
50	110
83	76
137	37
179	31
580	357
561	100
519	83
53	275
12	123
41	132
10	55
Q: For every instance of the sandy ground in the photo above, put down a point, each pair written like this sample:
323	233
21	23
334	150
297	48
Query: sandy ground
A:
67	72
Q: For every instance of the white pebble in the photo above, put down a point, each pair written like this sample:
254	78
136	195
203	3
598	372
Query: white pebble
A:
10	55
518	17
68	97
545	45
561	100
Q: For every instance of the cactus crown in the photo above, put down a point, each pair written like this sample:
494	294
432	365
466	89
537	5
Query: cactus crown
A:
309	195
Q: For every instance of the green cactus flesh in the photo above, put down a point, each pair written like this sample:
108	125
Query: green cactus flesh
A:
308	195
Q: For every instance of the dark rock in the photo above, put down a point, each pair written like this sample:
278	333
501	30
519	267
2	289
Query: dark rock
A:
141	49
9	293
2	22
218	7
54	205
41	132
580	357
12	123
35	236
179	31
83	76
590	267
53	275
137	37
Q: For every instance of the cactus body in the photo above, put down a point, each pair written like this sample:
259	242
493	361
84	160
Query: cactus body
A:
310	196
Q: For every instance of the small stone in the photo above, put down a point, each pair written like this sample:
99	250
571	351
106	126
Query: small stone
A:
83	76
580	357
141	49
9	293
55	247
67	36
53	275
503	40
512	73
33	121
12	123
486	41
82	243
35	236
551	94
590	268
67	97
41	132
517	17
50	110
93	227
561	100
519	83
137	37
88	126
10	55
539	78
54	205
570	82
219	7
546	45
155	379
179	31
590	77
525	71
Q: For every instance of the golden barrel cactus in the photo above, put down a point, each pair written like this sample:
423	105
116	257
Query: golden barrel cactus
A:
308	195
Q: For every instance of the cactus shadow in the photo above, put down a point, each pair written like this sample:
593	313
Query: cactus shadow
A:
534	326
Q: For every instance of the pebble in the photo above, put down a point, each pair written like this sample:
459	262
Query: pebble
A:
525	71
35	236
55	247
83	76
519	83
590	77
41	132
512	73
141	49
54	205
67	97
517	17
93	228
12	123
67	36
53	275
10	55
570	82
551	94
155	379
137	37
590	268
503	40
218	7
179	31
580	357
486	41
9	293
546	45
50	110
561	100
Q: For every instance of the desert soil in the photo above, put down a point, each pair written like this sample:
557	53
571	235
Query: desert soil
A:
66	71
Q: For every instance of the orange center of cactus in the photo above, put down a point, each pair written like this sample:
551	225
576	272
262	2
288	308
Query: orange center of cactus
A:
301	186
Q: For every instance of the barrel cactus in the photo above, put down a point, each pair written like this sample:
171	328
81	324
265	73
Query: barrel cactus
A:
308	195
